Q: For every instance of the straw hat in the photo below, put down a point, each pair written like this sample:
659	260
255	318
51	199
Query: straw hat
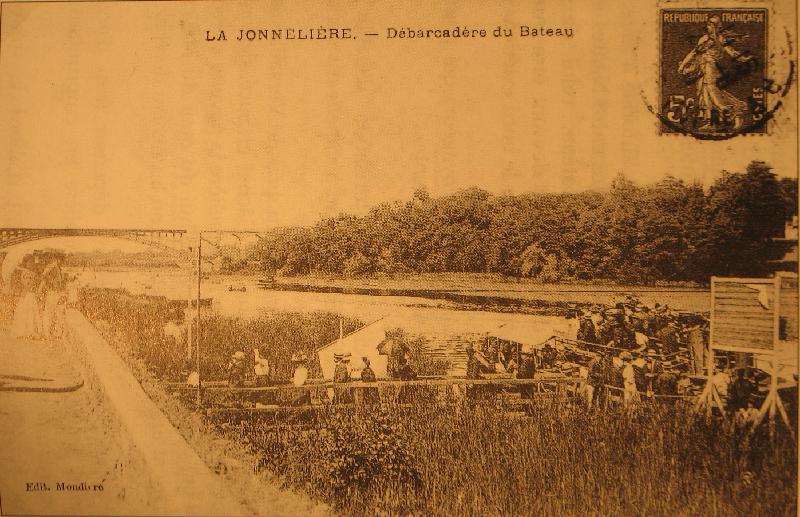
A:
625	356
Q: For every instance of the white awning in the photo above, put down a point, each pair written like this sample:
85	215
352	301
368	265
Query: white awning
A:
361	343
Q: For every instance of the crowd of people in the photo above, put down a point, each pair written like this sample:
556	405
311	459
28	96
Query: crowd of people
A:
399	367
628	348
634	326
626	351
42	290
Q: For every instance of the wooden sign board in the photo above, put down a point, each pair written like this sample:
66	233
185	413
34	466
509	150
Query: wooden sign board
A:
788	309
743	314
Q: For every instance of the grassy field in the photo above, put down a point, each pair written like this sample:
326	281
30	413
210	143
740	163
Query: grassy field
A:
467	458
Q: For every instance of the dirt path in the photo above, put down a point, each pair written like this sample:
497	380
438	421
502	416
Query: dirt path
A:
50	439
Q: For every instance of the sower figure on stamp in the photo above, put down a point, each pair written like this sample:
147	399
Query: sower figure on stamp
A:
705	62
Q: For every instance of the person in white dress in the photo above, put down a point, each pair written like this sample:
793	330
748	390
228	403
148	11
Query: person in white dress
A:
27	322
630	394
299	378
53	289
260	368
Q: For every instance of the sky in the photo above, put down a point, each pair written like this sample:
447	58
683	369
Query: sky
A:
121	114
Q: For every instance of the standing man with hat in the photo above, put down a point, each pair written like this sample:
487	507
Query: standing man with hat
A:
473	370
548	356
341	374
652	369
669	338
586	330
53	289
623	337
740	392
369	395
596	377
527	370
696	343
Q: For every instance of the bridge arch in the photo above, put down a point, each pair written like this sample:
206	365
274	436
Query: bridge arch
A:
12	236
172	240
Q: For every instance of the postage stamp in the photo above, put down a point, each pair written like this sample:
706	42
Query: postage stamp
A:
713	72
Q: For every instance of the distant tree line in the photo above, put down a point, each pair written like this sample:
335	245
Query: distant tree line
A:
669	230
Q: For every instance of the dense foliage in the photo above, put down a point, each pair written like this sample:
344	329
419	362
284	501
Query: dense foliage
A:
670	230
559	460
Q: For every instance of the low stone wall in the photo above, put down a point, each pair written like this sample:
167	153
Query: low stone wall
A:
185	485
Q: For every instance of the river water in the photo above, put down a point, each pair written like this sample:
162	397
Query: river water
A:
446	326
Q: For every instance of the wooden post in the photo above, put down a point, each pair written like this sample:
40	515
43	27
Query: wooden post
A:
710	395
197	312
711	358
773	385
773	402
190	323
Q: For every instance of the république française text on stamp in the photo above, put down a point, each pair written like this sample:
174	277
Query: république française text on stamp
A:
713	72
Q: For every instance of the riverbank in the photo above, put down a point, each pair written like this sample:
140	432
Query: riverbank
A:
559	459
500	293
257	491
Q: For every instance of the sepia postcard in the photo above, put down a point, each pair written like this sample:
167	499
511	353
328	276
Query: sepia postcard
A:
350	258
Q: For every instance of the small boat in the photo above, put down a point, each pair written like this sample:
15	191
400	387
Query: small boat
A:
242	289
266	283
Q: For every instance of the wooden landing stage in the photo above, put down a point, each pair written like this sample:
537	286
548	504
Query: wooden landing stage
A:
279	403
221	400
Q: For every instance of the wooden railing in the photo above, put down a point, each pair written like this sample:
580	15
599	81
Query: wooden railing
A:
211	386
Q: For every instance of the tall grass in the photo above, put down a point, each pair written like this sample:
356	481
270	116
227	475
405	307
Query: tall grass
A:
559	460
476	458
141	320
